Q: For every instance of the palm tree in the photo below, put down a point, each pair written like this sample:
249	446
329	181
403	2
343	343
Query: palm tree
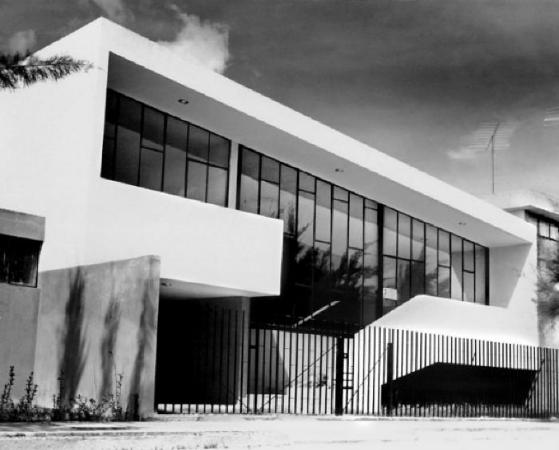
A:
22	70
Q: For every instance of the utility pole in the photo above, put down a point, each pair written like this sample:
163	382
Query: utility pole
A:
492	144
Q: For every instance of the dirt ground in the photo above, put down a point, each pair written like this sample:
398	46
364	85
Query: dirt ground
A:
271	432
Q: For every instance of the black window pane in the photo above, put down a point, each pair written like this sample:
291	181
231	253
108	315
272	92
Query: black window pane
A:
288	193
304	261
217	186
177	134
339	239
389	297
553	232
111	114
444	248
431	274
403	285
321	273
107	161
306	182
270	170
480	293
468	287
390	225
151	169
219	151
4	251
404	236
371	231
340	194
417	278
23	260
418	240
456	268
444	282
269	199
468	256
355	221
153	130
127	158
370	287
248	189
128	142
323	210
543	228
198	142
196	181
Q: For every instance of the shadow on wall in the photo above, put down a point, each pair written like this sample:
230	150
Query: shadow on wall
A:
145	345
73	359
106	315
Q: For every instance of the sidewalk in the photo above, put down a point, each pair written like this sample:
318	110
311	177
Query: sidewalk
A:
186	432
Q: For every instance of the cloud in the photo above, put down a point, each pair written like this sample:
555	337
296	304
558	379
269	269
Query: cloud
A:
115	9
201	42
479	141
22	41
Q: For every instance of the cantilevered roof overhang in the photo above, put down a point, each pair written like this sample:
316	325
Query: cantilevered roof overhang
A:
151	73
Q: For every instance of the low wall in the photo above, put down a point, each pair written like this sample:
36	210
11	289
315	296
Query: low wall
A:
95	323
19	306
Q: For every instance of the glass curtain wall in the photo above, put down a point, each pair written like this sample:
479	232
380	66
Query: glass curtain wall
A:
421	258
148	148
330	269
548	245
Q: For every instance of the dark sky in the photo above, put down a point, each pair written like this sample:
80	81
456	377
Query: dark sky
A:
426	81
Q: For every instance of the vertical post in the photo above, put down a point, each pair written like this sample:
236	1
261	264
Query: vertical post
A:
339	392
390	377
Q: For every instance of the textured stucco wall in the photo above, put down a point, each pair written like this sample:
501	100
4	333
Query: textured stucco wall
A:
18	324
95	322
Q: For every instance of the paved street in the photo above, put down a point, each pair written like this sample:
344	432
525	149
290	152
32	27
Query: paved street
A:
237	432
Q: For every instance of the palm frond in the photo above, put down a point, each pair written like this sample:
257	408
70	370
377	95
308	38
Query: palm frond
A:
17	70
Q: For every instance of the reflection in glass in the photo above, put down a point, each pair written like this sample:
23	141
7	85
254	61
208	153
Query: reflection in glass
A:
219	151
151	169
217	186
250	171
389	237
269	198
468	256
480	293
306	182
339	239
175	157
323	211
456	272
403	281
444	282
417	278
431	264
468	287
128	142
269	170
404	233
154	126
198	143
418	240
305	238
196	181
444	248
355	221
288	193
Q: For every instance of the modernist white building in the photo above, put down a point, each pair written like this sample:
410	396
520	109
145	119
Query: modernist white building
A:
166	188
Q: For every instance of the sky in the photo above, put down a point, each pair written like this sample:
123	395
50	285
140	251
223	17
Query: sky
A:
434	83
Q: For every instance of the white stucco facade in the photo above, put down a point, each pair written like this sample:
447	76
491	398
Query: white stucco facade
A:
51	160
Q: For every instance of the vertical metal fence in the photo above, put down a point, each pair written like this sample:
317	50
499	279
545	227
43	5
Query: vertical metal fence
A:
237	368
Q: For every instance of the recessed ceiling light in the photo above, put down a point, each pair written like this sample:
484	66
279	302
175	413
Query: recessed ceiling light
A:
462	224
338	170
183	101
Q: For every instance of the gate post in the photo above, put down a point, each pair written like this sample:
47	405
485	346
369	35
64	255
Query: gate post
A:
339	388
390	377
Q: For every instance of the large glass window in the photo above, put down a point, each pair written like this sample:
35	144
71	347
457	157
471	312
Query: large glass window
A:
330	268
548	246
19	260
148	148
